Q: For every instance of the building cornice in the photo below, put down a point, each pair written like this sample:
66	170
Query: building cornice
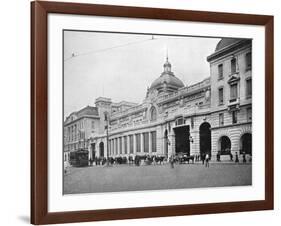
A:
231	125
82	117
229	49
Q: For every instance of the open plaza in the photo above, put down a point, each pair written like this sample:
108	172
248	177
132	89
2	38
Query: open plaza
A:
118	178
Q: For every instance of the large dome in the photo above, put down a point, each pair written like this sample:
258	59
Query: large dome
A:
167	80
224	42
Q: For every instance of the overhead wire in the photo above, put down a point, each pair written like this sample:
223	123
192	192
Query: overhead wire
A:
73	55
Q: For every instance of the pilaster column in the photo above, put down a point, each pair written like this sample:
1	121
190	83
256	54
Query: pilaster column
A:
149	143
195	145
90	152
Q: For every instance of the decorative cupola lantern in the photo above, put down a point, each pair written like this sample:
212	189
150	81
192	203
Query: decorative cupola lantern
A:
167	66
167	82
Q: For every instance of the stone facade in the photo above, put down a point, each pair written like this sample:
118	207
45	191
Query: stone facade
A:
79	127
235	106
174	118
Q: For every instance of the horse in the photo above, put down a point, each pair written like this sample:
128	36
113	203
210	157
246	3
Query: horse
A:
159	159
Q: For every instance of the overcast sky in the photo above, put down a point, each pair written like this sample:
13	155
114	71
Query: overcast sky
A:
122	66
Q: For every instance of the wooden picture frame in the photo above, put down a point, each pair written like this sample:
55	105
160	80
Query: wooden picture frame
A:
39	112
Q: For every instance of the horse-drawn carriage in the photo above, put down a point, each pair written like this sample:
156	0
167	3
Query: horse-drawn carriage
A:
182	158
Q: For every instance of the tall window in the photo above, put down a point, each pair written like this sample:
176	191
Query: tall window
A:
234	117
146	142
75	132
153	140
249	114
153	114
220	71
248	88
248	61
120	145
233	92
69	134
93	124
221	119
233	66
131	144
116	146
138	142
72	133
112	147
220	96
125	145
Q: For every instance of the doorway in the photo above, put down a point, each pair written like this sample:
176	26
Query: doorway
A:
93	150
101	149
246	143
182	140
205	138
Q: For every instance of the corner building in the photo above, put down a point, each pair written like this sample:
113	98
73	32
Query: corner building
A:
210	116
231	96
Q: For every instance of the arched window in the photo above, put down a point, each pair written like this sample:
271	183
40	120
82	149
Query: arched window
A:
246	143
153	115
224	145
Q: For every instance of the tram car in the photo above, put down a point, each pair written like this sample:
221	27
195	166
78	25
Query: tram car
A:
79	158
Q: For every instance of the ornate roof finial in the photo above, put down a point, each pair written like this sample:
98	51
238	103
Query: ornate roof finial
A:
167	65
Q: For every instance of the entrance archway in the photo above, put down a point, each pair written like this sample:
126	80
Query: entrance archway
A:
246	143
225	144
101	149
205	138
166	143
182	140
93	149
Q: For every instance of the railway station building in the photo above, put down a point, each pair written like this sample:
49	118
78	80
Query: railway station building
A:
214	115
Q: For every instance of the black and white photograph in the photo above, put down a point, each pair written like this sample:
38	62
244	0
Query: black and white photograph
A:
155	112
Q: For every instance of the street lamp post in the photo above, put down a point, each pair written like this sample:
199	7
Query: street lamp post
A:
191	139
107	140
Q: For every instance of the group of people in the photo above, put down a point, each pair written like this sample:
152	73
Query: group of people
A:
205	158
244	159
131	160
153	159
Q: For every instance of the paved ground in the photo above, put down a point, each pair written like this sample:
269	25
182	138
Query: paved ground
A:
133	178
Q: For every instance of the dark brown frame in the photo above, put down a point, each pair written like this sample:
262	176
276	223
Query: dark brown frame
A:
39	107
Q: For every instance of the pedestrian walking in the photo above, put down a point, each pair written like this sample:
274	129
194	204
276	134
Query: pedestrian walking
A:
207	158
203	156
244	157
231	157
236	158
172	161
218	157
